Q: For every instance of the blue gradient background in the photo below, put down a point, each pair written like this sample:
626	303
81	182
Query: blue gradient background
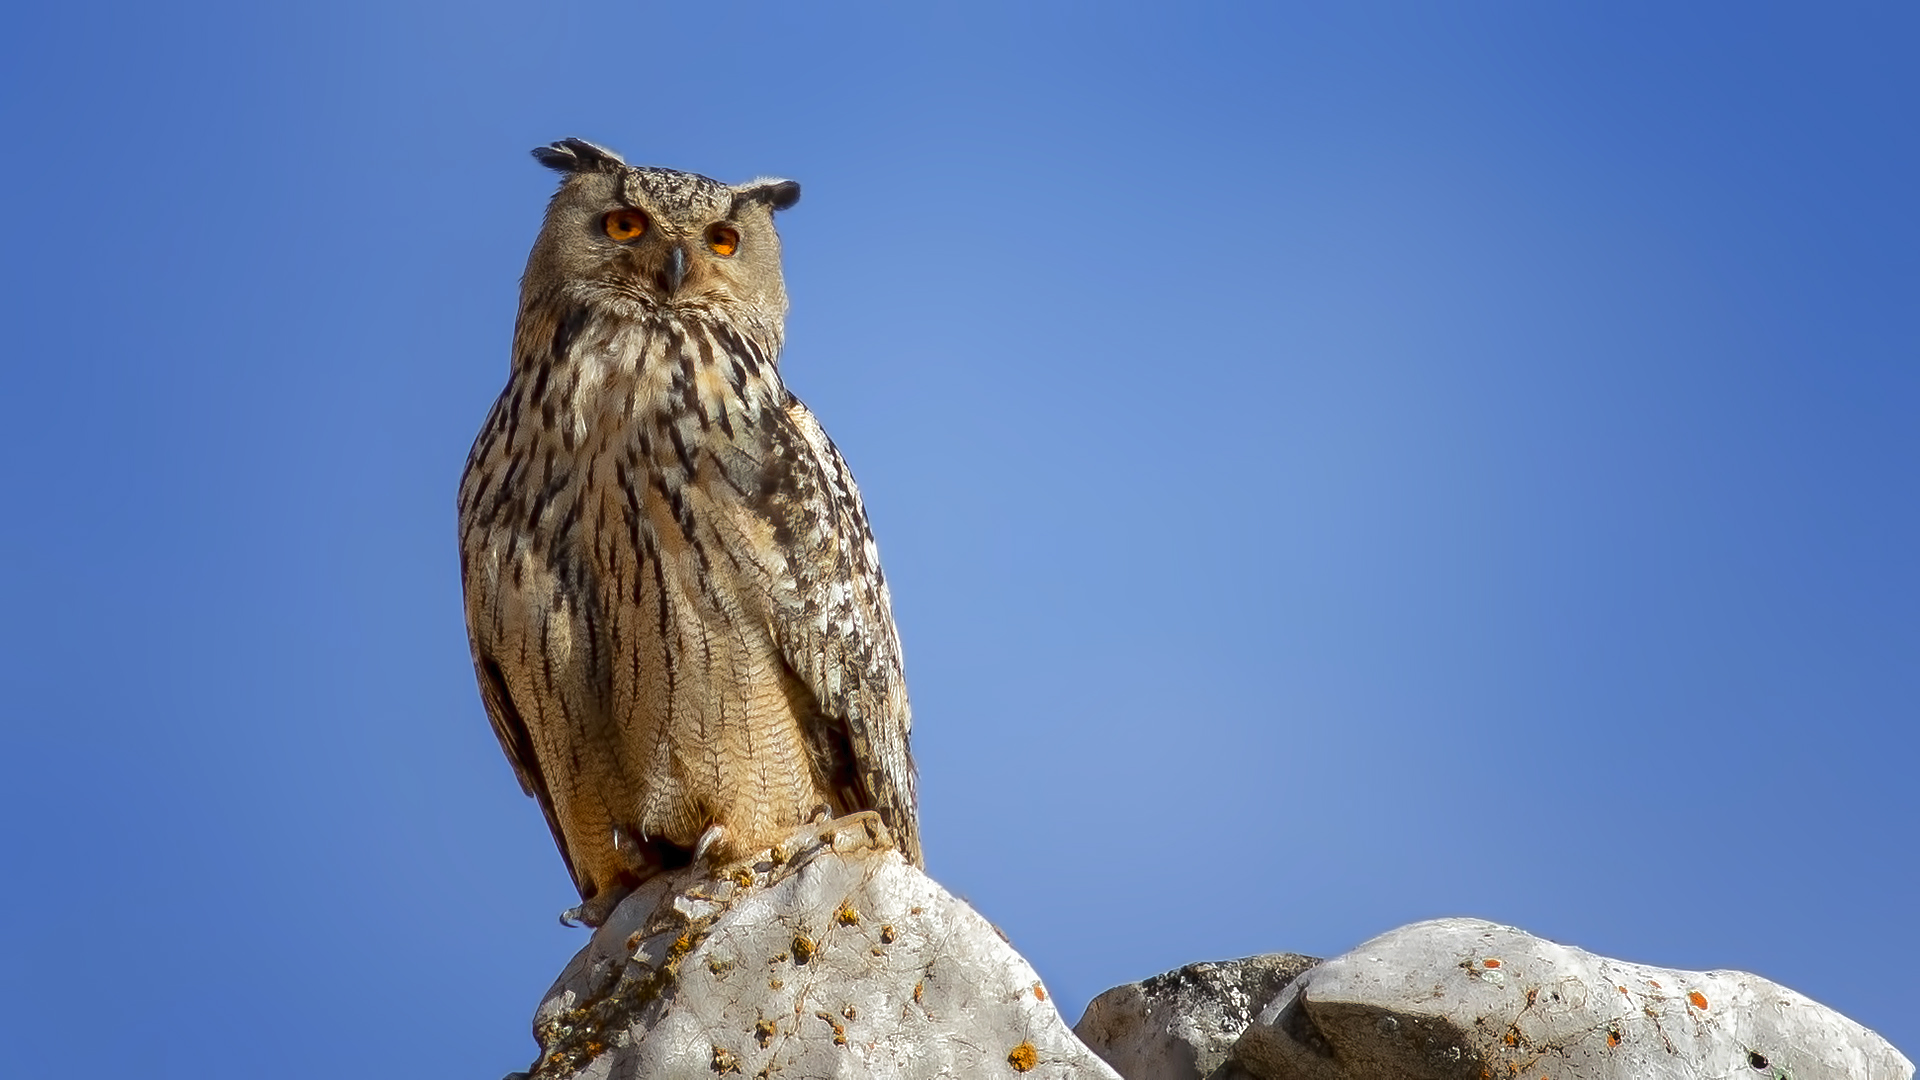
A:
1337	466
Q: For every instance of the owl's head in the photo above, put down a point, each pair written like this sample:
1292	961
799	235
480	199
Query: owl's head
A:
638	240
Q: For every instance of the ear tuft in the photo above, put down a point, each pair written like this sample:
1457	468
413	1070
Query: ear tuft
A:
777	194
578	155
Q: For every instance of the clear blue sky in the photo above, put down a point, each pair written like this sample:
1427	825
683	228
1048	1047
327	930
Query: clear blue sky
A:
1337	465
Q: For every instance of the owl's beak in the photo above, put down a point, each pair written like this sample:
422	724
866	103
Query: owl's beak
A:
676	270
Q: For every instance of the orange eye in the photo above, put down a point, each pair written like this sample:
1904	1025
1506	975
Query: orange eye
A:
723	239
624	225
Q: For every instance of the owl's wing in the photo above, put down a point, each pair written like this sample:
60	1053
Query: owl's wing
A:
833	625
517	741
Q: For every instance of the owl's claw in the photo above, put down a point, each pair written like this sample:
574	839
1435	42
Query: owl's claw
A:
713	835
591	913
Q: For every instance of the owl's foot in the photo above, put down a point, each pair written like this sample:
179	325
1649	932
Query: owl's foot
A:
713	856
592	913
643	858
858	831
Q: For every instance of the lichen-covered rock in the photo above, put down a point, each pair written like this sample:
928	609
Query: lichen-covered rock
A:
1469	999
1182	1025
828	957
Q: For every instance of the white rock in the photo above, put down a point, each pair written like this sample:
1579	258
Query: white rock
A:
831	957
1466	998
1182	1025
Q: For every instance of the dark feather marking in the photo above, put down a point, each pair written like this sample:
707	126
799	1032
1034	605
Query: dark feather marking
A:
567	520
541	371
479	493
676	504
624	475
505	494
739	344
680	450
666	629
727	550
590	623
551	487
565	331
689	381
513	416
704	342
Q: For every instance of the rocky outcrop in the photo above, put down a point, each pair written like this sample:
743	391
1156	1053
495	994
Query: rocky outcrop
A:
828	957
1466	999
1183	1025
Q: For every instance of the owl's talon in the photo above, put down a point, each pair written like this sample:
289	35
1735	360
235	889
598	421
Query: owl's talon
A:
713	835
592	913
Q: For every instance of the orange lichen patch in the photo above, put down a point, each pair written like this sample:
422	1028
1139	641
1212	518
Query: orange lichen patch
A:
1023	1057
1697	999
839	1032
850	1013
633	940
846	916
723	1061
1511	1038
1491	962
1653	983
803	948
1613	1036
764	1031
919	990
1039	992
886	934
742	877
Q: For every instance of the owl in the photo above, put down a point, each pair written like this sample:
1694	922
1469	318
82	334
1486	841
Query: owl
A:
676	610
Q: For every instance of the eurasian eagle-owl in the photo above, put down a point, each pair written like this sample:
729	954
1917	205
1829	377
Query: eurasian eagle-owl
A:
677	615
